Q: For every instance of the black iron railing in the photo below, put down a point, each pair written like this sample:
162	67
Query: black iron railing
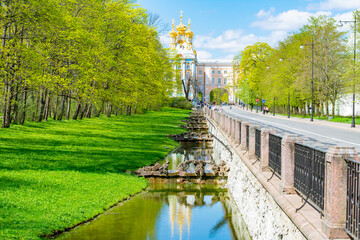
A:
353	199
275	154
258	143
309	174
247	136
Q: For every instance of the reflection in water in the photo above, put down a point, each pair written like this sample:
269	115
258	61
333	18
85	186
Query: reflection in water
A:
187	151
167	211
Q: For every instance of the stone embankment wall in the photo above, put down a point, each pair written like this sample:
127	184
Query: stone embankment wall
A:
263	217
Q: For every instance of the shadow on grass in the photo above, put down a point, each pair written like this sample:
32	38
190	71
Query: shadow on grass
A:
93	145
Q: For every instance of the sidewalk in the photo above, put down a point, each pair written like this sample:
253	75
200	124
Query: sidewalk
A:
344	126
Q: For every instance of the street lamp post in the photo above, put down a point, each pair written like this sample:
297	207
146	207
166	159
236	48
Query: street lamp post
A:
312	76
341	24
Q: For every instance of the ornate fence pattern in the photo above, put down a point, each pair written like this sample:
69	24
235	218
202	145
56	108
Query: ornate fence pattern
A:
275	154
258	143
309	174
247	136
353	199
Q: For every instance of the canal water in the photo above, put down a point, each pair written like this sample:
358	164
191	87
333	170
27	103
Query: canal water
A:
167	211
170	211
189	151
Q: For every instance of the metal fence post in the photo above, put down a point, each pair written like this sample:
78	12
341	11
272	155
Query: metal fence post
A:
335	190
288	162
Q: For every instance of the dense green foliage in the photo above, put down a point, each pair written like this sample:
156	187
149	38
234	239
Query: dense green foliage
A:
284	73
54	175
180	102
79	58
219	96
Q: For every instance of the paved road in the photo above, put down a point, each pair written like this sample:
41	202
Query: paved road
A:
319	134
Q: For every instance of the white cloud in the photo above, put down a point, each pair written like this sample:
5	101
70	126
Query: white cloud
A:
335	4
203	55
263	13
229	57
165	40
232	41
285	21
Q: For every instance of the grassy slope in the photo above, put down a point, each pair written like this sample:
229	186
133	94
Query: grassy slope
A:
54	175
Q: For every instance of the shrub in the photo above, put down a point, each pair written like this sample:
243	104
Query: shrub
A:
180	102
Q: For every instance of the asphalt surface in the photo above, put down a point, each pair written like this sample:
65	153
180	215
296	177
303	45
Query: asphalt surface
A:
318	134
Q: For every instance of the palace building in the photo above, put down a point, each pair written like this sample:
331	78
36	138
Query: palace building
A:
199	76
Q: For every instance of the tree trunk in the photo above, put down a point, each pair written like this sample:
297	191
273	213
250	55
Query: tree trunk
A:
41	105
62	109
33	117
88	112
7	106
15	106
47	106
23	107
108	114
327	109
82	113
128	112
56	107
68	111
77	111
333	108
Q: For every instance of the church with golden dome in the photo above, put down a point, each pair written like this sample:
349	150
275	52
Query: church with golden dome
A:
198	76
181	41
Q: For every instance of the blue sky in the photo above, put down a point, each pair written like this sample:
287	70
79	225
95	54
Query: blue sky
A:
223	28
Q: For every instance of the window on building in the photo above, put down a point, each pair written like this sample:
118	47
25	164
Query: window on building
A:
219	80
213	71
207	81
225	71
200	80
212	80
219	71
200	71
225	81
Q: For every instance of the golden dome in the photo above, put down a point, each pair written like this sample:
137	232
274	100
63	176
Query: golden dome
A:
189	33
173	33
181	27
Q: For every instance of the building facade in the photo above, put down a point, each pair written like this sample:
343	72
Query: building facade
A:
199	76
214	74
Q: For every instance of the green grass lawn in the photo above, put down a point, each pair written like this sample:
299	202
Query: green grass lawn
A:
54	175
